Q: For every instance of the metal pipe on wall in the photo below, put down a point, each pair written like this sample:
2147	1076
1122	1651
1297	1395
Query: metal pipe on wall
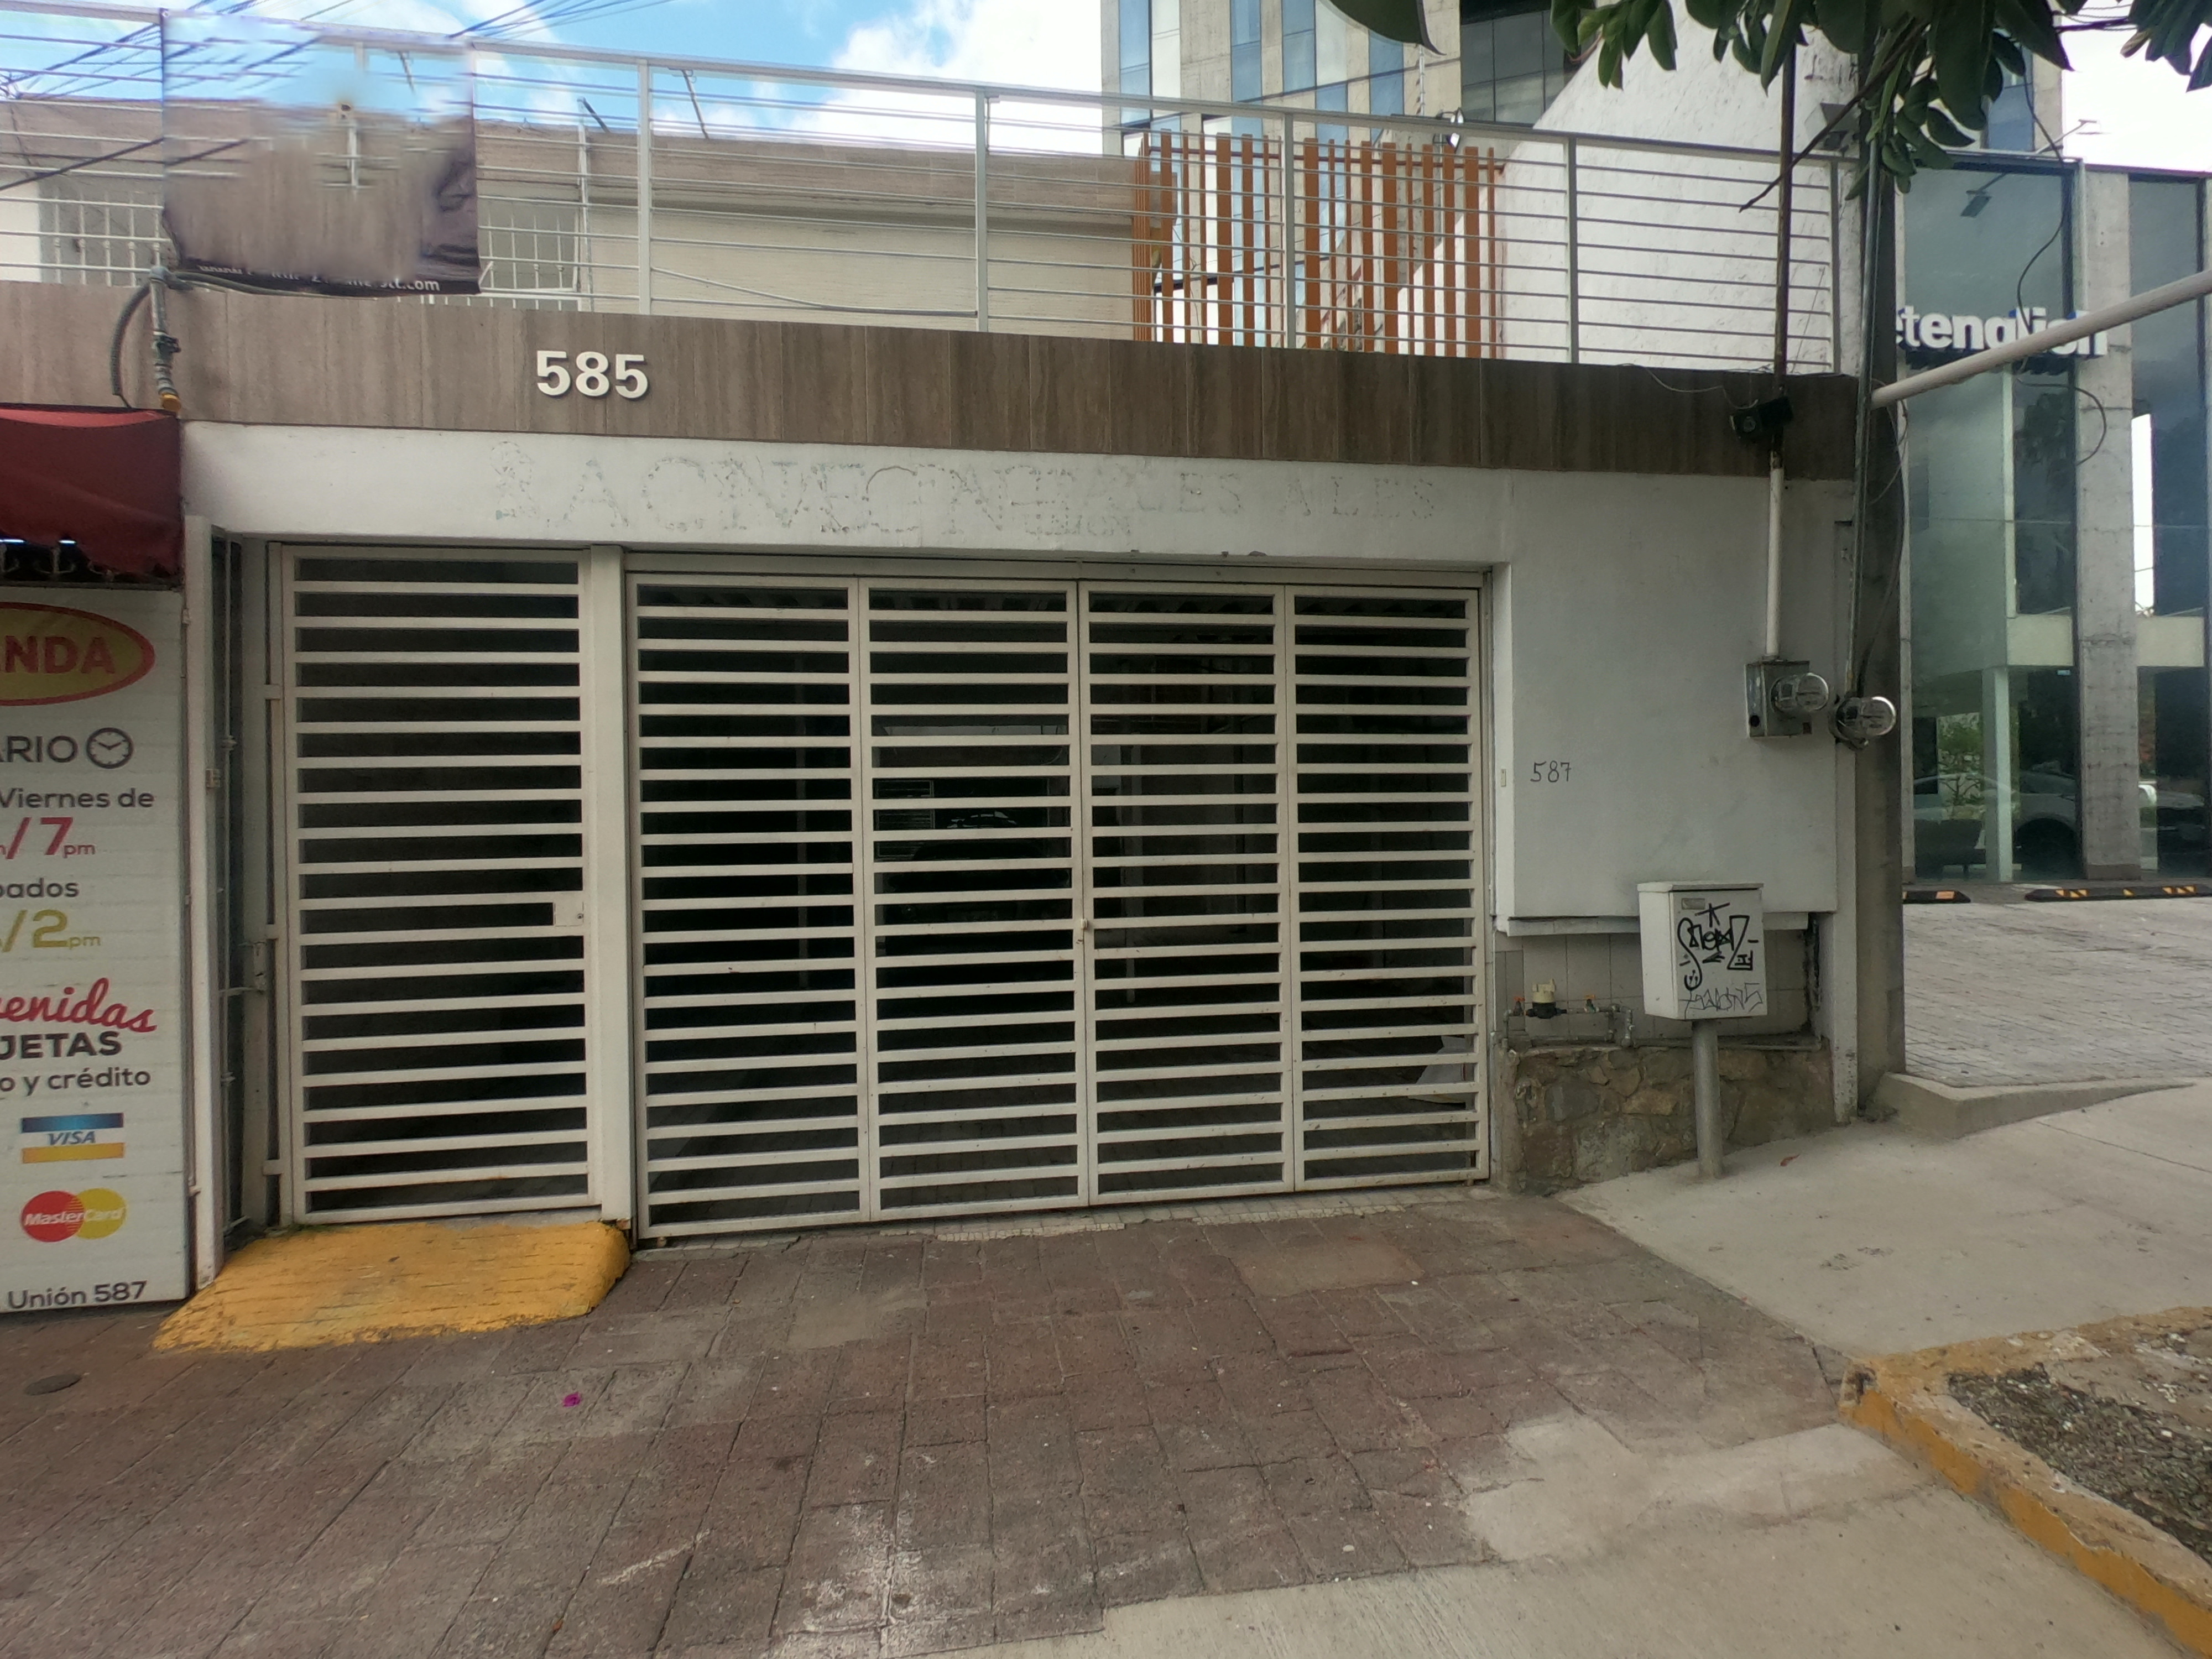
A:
1774	482
1784	206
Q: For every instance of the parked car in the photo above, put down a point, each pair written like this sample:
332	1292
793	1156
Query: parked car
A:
2046	831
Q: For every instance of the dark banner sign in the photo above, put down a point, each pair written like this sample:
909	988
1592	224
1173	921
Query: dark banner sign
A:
341	172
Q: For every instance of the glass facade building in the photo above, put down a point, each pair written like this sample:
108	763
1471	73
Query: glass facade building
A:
2057	526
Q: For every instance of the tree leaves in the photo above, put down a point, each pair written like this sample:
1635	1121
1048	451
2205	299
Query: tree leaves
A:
1960	51
1930	68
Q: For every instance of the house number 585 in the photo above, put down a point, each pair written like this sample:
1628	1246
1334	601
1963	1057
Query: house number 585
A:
594	374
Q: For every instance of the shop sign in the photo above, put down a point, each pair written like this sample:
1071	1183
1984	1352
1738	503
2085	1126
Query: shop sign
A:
92	1051
1939	336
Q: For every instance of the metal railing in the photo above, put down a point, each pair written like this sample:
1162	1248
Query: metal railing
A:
612	182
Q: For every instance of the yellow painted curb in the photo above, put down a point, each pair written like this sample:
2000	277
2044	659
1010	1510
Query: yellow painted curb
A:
1905	1399
370	1284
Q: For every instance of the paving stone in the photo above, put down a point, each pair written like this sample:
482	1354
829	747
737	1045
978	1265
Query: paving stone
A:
943	1498
1429	1532
721	1603
472	1415
902	1637
873	1376
647	1339
1128	1488
708	1283
779	1434
1215	1445
1040	1581
1459	1417
856	1461
1314	1485
946	1367
945	1422
1145	1566
1288	1435
1032	1447
796	1382
837	1578
753	1515
1359	1414
1346	1544
884	1443
1023	1360
1092	1349
943	1581
714	1390
486	1495
1165	1346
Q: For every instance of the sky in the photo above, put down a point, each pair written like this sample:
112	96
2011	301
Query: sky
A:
2121	112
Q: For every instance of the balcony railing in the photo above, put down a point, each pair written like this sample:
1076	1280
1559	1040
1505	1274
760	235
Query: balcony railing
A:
612	182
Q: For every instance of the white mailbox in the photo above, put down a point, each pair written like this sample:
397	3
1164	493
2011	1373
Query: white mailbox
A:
1705	950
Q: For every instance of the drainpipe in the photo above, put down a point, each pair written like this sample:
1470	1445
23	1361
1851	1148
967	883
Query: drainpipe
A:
1784	205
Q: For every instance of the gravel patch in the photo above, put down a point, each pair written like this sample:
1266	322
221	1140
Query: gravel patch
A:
2157	1467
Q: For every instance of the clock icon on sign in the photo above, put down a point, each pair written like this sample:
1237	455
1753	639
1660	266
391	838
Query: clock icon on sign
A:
109	748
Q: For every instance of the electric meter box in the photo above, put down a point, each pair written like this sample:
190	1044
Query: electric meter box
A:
1705	950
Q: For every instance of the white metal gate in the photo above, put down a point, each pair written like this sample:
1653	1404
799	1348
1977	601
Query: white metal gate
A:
434	934
964	894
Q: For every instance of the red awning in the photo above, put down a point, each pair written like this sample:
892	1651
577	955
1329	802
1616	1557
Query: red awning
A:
108	480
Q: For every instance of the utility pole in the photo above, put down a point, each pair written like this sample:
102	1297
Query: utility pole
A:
1877	660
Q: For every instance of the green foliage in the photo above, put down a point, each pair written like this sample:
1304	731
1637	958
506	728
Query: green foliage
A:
1930	67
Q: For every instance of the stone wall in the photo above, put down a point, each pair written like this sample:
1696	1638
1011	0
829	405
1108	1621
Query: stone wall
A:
1585	1114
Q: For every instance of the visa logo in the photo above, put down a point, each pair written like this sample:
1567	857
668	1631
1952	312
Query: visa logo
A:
78	1135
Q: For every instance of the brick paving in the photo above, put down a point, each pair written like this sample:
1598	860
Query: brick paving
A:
859	1442
2000	991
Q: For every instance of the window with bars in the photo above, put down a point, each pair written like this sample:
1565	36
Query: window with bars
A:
532	252
99	230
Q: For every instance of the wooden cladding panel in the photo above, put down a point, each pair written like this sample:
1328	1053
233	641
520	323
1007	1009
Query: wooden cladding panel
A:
261	361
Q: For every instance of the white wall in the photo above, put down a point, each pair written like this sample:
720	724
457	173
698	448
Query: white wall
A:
20	260
1658	230
1623	607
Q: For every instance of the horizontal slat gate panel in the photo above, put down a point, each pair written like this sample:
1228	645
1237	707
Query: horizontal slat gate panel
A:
1388	880
1183	719
437	941
971	895
746	859
972	881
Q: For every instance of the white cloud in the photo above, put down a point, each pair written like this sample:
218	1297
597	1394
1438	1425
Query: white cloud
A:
2127	112
1031	43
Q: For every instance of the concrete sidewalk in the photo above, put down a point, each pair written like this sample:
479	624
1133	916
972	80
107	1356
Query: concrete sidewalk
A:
1922	1576
1435	1421
1874	1241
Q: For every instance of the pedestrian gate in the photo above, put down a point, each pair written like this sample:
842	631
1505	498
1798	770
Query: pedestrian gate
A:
949	895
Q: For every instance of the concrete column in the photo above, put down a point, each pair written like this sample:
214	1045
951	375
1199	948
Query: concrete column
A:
2104	577
1997	773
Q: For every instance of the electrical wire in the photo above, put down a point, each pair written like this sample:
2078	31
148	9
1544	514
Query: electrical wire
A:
138	295
88	162
2104	428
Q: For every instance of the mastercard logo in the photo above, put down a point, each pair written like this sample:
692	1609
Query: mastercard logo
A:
94	1213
